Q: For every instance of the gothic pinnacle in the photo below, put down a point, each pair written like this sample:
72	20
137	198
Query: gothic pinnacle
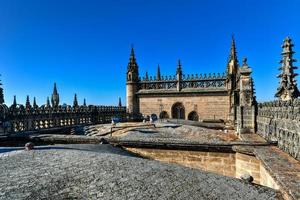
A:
1	94
158	76
179	68
75	102
233	49
288	86
146	76
34	103
48	102
27	105
15	101
120	102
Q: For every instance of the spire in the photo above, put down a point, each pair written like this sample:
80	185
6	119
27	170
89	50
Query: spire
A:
27	104
84	102
288	86
179	68
55	97
1	94
34	103
55	89
232	55
75	102
158	73
132	67
15	101
48	102
120	102
132	56
146	76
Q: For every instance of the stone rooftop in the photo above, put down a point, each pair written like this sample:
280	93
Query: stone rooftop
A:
105	172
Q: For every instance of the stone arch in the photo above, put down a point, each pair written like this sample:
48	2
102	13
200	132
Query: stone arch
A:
193	116
178	111
163	115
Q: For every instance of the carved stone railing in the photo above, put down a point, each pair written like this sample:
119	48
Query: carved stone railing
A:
280	121
189	81
19	119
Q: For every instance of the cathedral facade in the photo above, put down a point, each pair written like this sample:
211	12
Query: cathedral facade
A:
213	96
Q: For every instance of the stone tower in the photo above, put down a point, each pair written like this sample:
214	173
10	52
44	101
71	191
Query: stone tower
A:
55	97
288	87
132	84
231	81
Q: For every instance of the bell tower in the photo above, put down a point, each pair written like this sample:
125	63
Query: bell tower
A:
132	83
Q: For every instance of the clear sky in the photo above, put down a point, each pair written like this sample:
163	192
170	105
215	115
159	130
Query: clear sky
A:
84	45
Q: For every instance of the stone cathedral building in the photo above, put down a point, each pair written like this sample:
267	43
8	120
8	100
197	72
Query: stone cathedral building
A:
193	96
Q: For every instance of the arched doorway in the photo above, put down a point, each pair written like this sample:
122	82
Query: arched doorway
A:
178	111
193	116
163	115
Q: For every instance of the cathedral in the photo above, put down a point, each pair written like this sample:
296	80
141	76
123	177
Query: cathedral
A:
198	97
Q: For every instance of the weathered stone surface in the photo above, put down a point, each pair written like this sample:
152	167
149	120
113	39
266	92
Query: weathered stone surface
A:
279	121
283	168
55	173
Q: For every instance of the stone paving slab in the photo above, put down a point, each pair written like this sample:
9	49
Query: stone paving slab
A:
282	167
103	173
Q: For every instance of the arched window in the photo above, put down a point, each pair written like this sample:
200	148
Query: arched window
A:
163	115
193	116
178	111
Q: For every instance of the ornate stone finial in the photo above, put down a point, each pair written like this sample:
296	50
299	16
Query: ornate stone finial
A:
120	102
244	61
1	93
245	69
55	97
84	102
75	102
288	86
158	76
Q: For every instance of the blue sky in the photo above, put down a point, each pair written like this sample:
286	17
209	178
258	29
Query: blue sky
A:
84	46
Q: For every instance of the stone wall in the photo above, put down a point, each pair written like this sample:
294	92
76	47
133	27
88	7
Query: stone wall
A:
221	163
266	179
207	107
246	117
280	121
247	164
227	164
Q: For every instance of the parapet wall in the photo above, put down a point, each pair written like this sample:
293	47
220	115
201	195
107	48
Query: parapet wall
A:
280	121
